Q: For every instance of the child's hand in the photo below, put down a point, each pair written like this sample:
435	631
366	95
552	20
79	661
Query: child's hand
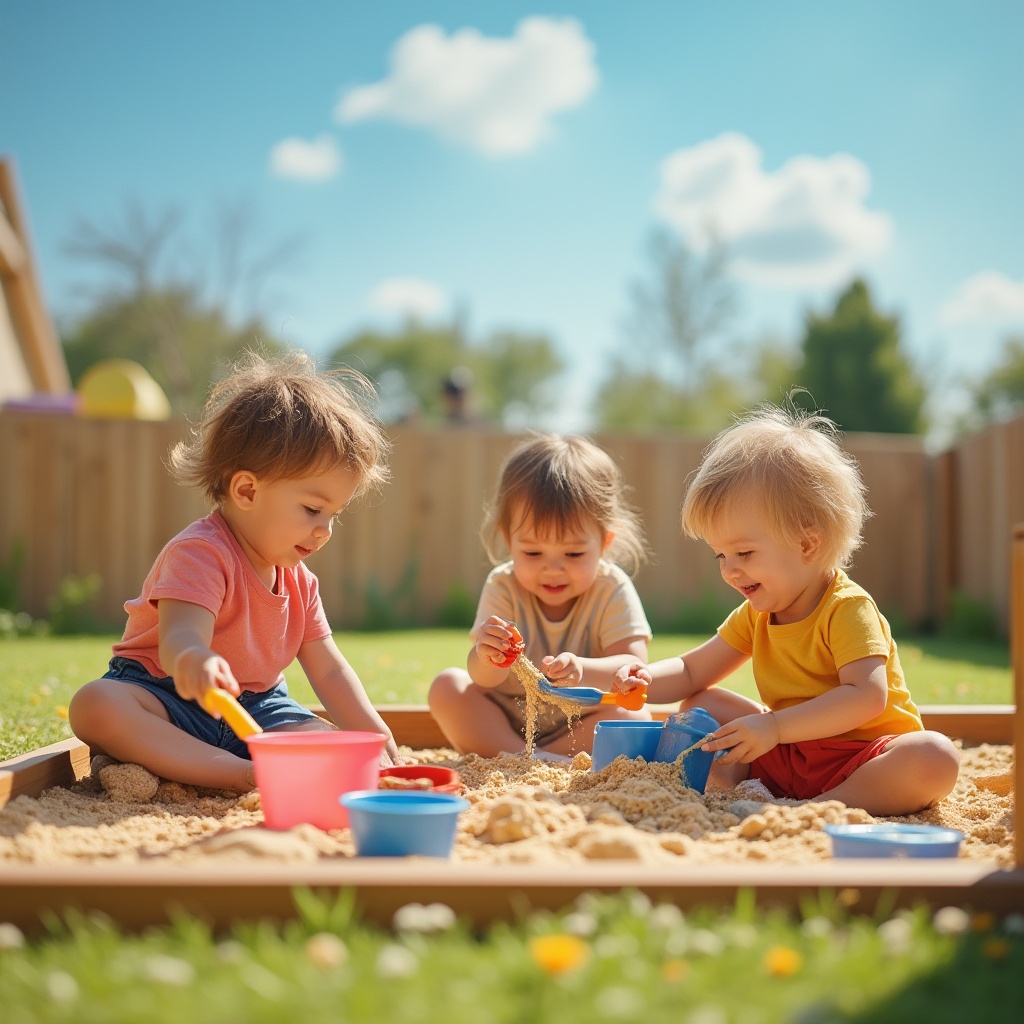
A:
629	677
745	738
563	670
500	642
198	669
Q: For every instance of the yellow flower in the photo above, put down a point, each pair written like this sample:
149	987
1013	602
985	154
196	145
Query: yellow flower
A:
782	961
62	711
983	921
559	954
674	971
996	949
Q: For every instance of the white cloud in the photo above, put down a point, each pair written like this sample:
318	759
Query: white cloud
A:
988	298
496	95
408	297
804	225
306	161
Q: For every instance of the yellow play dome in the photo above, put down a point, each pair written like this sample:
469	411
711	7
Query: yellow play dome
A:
121	389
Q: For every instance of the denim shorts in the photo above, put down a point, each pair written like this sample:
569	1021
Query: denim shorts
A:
272	709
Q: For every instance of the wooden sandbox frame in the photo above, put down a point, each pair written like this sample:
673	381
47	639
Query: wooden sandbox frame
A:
151	893
136	895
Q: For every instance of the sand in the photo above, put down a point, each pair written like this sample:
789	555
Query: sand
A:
521	811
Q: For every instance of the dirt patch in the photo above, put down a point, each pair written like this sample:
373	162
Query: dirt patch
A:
521	811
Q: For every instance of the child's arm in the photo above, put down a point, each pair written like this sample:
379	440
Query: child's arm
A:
569	669
860	696
341	692
486	660
675	679
185	634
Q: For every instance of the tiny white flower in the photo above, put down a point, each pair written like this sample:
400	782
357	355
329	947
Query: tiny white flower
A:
580	923
639	904
707	942
708	1015
169	970
326	951
415	917
817	927
61	987
11	936
951	921
667	916
396	962
1013	924
621	1003
896	934
616	947
229	951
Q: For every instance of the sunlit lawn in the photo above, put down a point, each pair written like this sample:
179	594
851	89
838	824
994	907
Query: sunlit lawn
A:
41	673
613	958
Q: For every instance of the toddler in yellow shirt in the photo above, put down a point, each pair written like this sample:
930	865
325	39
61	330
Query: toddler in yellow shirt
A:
782	507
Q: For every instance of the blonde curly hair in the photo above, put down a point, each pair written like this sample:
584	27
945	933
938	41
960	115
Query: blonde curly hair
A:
791	462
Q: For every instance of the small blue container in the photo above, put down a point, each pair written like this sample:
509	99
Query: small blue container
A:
634	739
682	730
893	839
399	823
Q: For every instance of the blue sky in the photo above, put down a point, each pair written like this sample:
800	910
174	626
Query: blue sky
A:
509	160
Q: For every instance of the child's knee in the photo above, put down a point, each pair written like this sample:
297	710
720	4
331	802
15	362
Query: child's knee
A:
89	707
447	686
941	763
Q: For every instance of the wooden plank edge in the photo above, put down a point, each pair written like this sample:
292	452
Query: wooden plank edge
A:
139	896
63	763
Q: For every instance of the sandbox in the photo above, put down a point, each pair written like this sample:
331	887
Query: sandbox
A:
259	880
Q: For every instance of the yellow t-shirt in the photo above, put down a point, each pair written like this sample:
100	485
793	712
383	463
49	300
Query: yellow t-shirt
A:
798	661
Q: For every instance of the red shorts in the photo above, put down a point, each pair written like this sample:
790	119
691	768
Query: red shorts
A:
808	769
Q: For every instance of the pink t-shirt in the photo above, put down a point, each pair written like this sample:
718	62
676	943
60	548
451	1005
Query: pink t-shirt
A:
258	632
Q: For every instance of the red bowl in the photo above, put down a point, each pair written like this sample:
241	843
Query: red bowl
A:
445	780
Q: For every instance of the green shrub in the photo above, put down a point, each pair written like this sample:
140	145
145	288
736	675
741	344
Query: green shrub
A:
458	609
970	619
72	608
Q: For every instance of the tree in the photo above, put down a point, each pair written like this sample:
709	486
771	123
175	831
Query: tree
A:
999	395
854	368
168	320
509	371
676	371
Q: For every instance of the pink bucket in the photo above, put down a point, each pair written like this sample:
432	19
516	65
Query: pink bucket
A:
300	775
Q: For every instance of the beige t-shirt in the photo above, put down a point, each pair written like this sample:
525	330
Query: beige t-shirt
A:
610	611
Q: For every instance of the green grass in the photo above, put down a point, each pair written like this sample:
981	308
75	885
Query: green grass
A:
635	962
41	674
624	959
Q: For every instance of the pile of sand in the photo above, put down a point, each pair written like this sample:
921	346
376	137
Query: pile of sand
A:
521	811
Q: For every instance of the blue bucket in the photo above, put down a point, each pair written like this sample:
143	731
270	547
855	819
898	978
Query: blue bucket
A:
400	823
634	739
682	730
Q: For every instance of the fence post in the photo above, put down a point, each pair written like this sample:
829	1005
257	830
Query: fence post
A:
1017	653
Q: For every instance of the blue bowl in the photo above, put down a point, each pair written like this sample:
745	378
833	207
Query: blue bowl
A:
894	840
402	823
634	739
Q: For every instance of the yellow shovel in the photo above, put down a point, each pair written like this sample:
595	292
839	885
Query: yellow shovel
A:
244	725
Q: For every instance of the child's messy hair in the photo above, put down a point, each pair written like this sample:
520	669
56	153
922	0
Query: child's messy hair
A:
559	484
282	418
790	461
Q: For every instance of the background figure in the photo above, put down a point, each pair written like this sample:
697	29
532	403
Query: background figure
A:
457	396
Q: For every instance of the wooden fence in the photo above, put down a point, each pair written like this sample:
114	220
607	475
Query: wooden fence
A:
81	496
